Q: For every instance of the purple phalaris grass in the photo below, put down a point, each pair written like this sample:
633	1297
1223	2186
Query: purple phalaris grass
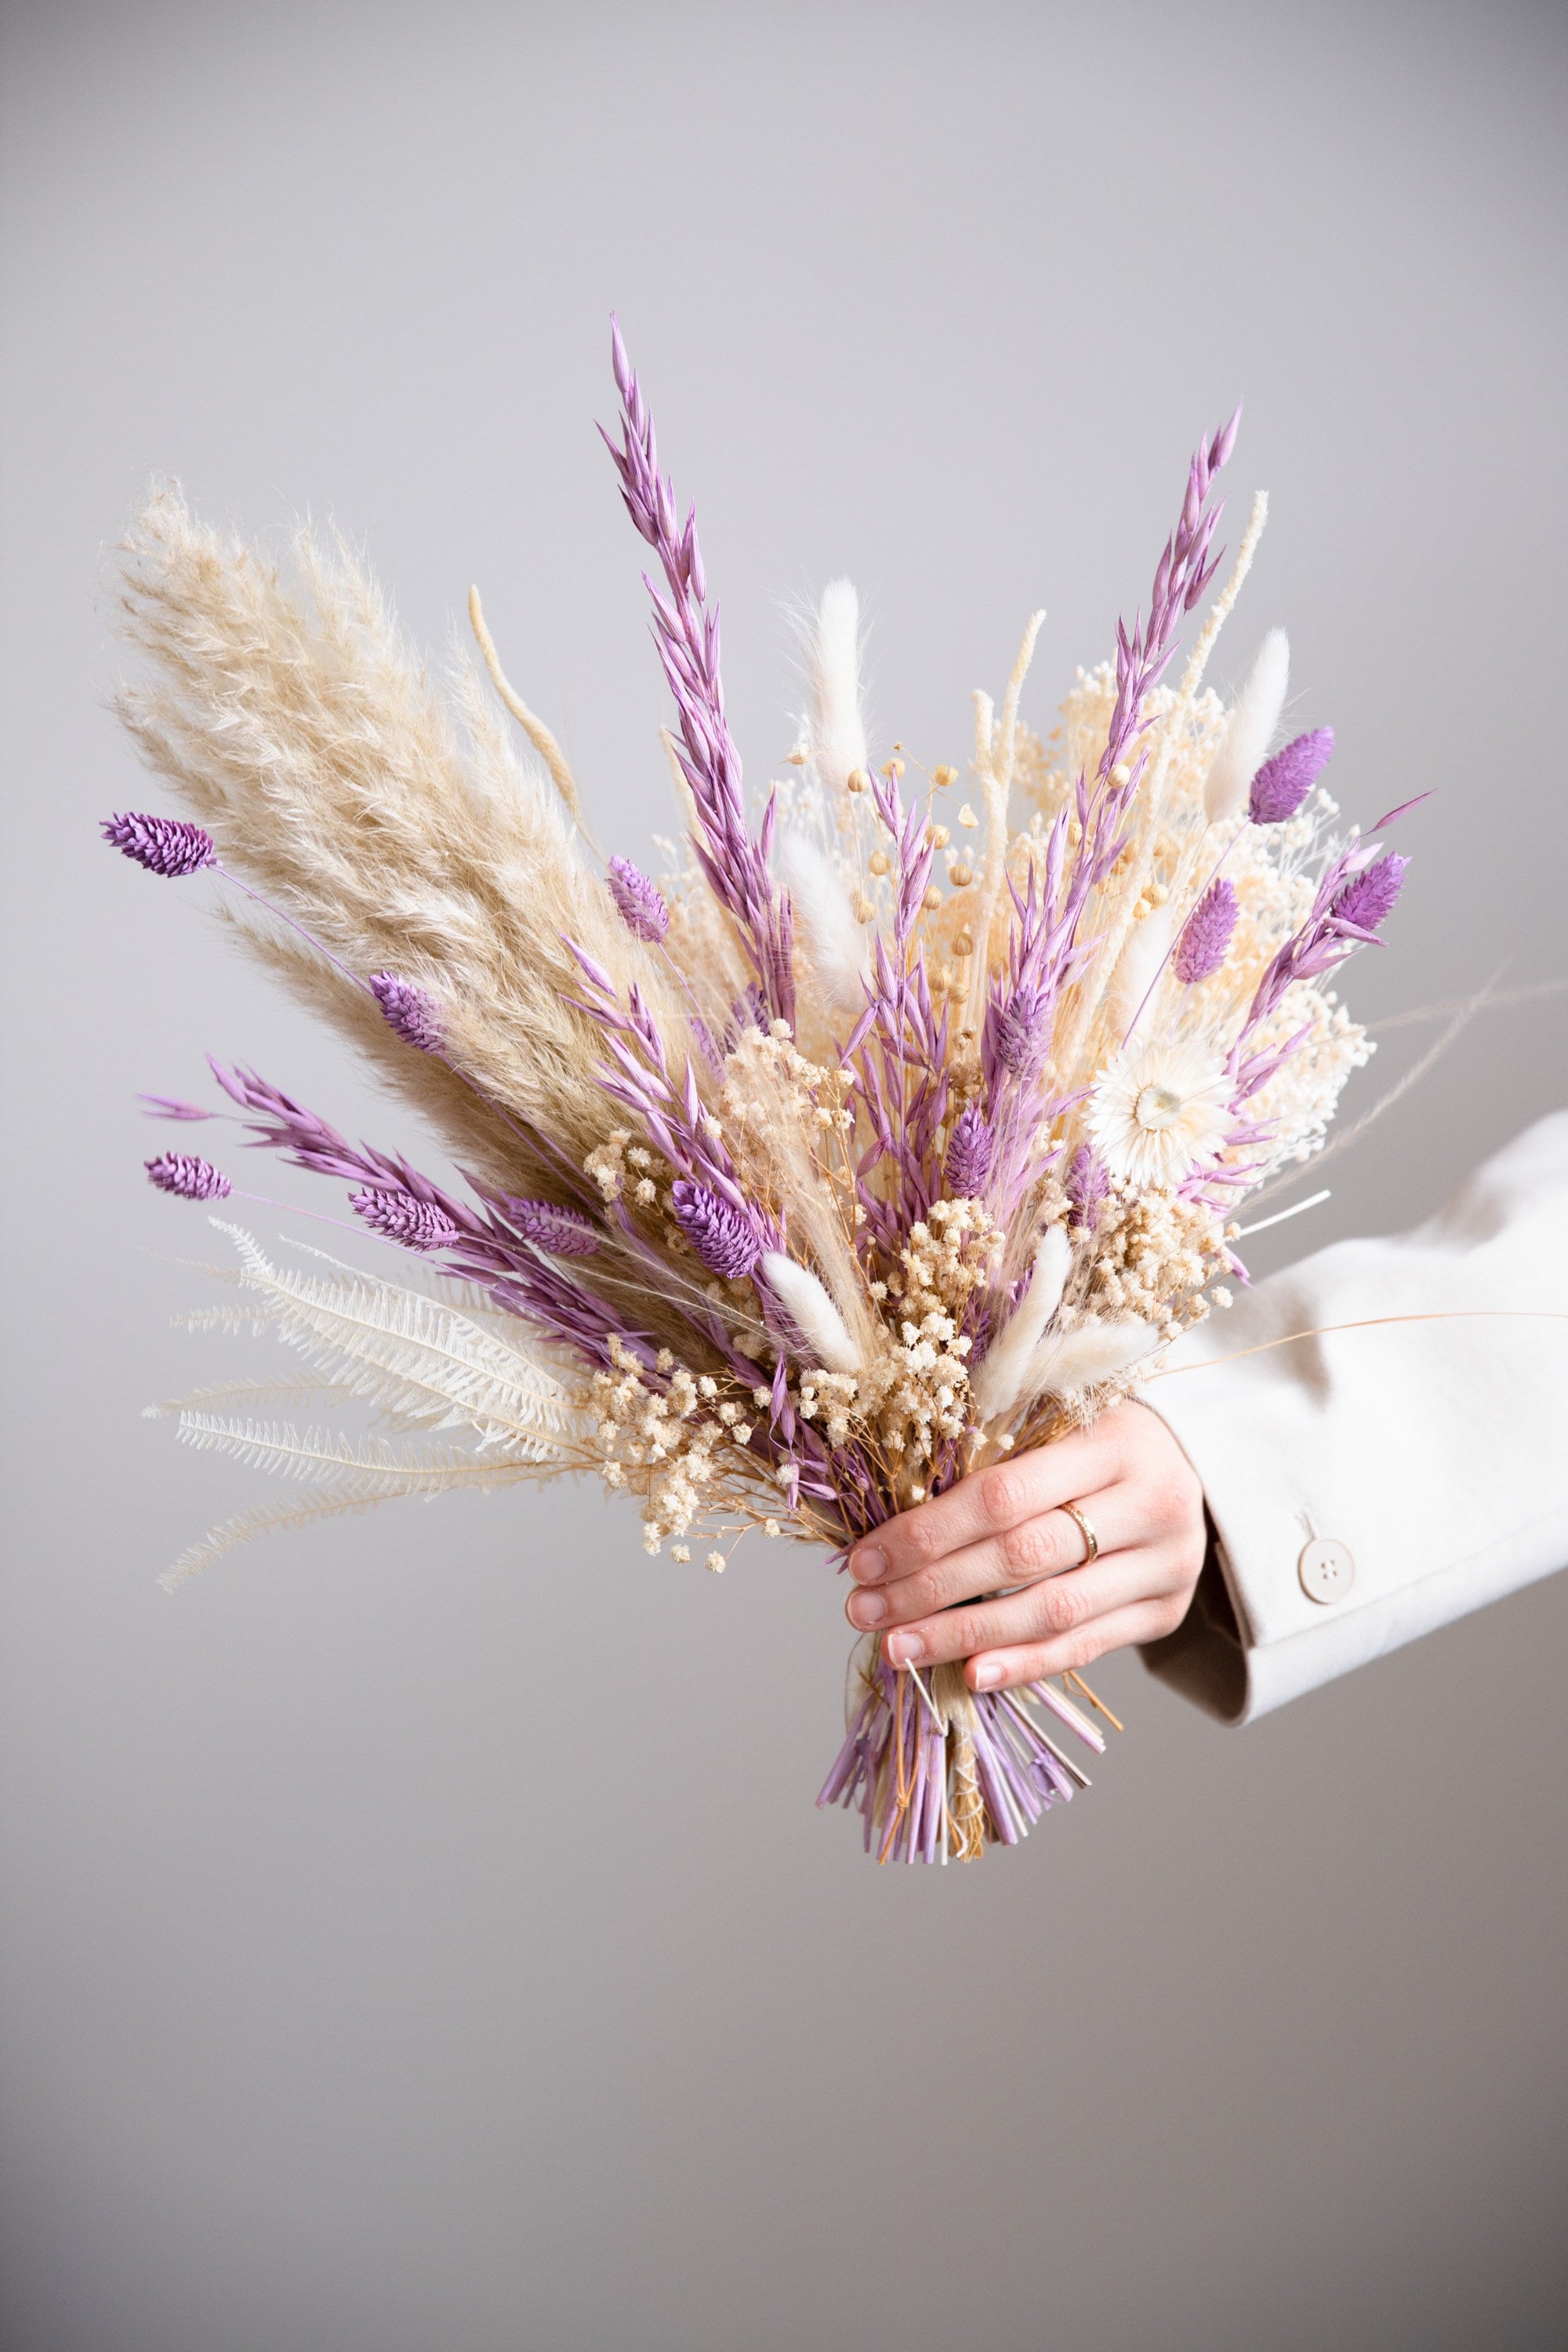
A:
399	1217
408	1010
1282	784
163	845
640	902
1207	933
188	1177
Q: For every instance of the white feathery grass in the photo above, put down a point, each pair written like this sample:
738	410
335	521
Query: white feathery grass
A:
403	832
409	1356
273	1518
371	1471
1092	1351
1249	730
837	728
1147	945
834	940
812	1311
1003	1375
281	1393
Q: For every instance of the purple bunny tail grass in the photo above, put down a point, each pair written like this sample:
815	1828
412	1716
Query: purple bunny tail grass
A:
560	1232
971	1149
639	902
1207	933
1368	900
399	1217
1282	784
408	1012
1087	1186
188	1178
723	1237
163	845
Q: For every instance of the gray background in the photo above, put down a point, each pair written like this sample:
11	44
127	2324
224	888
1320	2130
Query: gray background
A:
420	1934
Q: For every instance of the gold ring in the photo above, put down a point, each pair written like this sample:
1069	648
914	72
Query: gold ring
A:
1090	1541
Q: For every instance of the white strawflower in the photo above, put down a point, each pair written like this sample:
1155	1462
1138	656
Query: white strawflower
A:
1157	1111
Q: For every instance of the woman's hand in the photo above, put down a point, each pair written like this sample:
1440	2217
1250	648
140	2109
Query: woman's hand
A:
1005	1527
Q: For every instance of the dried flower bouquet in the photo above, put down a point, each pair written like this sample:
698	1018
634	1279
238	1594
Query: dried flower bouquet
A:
862	1148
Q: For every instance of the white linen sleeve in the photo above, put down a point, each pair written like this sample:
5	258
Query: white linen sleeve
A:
1365	1487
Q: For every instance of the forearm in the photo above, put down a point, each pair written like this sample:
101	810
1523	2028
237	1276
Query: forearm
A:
1369	1484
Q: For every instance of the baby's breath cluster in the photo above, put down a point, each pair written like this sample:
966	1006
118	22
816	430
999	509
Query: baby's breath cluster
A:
784	1113
916	1393
1155	1253
624	1168
660	1443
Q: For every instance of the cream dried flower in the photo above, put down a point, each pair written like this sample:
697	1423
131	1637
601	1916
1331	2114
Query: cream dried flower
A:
1157	1110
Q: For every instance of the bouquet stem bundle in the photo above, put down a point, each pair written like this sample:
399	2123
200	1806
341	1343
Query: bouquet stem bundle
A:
872	1142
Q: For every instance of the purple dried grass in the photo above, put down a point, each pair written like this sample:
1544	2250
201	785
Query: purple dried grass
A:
1282	784
1087	1186
893	1769
970	1150
638	901
1368	898
400	1217
563	1233
1207	933
408	1010
687	636
724	1237
163	845
187	1177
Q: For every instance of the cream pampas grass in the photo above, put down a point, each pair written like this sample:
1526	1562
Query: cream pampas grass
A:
403	832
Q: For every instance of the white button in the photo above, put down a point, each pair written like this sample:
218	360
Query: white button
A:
1326	1570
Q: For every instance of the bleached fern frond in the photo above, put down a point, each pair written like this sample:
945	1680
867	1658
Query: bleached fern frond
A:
290	1390
374	1471
409	1356
260	1519
233	1318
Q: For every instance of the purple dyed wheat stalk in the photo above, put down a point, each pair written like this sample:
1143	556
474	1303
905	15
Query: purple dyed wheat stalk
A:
686	634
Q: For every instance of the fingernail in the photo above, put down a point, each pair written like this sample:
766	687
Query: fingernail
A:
903	1649
866	1609
869	1564
988	1675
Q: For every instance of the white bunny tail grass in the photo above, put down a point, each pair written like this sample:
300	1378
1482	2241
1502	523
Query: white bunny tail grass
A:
1003	1377
1138	969
837	728
1244	746
806	1303
1093	1351
825	922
